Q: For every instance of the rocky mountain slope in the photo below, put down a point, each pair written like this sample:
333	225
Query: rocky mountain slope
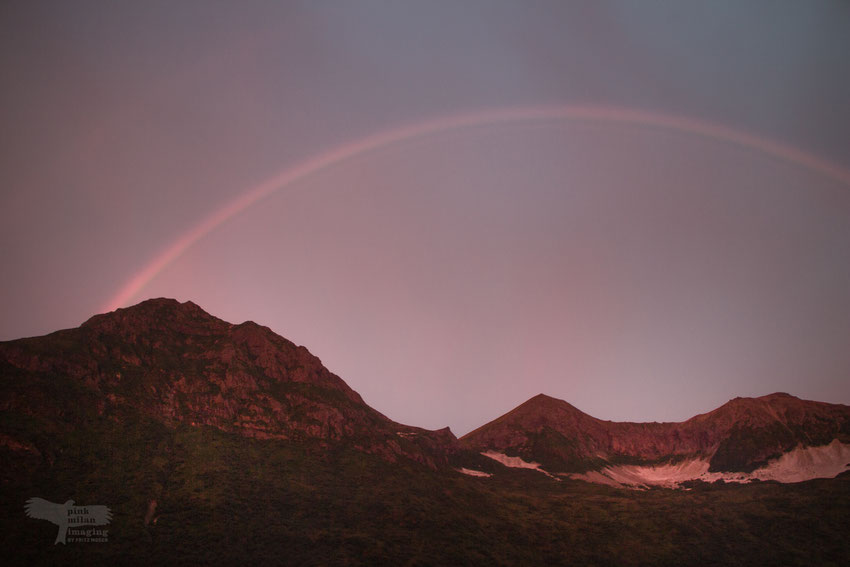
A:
177	364
222	444
740	440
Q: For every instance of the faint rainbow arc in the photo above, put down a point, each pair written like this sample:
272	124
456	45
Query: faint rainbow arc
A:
588	113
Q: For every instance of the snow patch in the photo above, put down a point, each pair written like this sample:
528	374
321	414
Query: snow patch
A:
798	465
472	472
807	463
516	463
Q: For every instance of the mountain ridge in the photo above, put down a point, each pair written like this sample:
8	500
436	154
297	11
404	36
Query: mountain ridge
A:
742	436
176	363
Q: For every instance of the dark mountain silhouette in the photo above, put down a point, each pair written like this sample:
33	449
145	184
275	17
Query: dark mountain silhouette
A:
220	444
740	436
175	363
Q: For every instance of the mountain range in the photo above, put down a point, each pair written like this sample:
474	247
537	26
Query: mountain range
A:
177	404
775	437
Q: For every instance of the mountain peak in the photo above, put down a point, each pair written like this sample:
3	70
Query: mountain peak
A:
779	396
546	403
765	406
543	398
741	435
176	363
766	398
161	304
152	314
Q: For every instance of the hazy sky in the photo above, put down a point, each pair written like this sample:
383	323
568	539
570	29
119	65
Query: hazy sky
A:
641	208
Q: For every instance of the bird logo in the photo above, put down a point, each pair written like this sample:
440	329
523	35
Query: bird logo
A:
67	515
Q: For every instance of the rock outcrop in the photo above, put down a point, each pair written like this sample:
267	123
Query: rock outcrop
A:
176	363
740	436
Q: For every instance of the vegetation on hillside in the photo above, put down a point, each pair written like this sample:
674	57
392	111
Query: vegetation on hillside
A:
225	499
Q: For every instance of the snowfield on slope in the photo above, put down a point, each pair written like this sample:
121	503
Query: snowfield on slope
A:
473	472
516	462
800	464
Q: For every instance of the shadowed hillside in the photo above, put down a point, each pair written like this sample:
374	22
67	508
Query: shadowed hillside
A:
225	444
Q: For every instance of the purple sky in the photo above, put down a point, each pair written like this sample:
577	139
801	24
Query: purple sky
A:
684	241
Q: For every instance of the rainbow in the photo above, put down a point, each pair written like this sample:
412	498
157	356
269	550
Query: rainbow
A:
585	113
